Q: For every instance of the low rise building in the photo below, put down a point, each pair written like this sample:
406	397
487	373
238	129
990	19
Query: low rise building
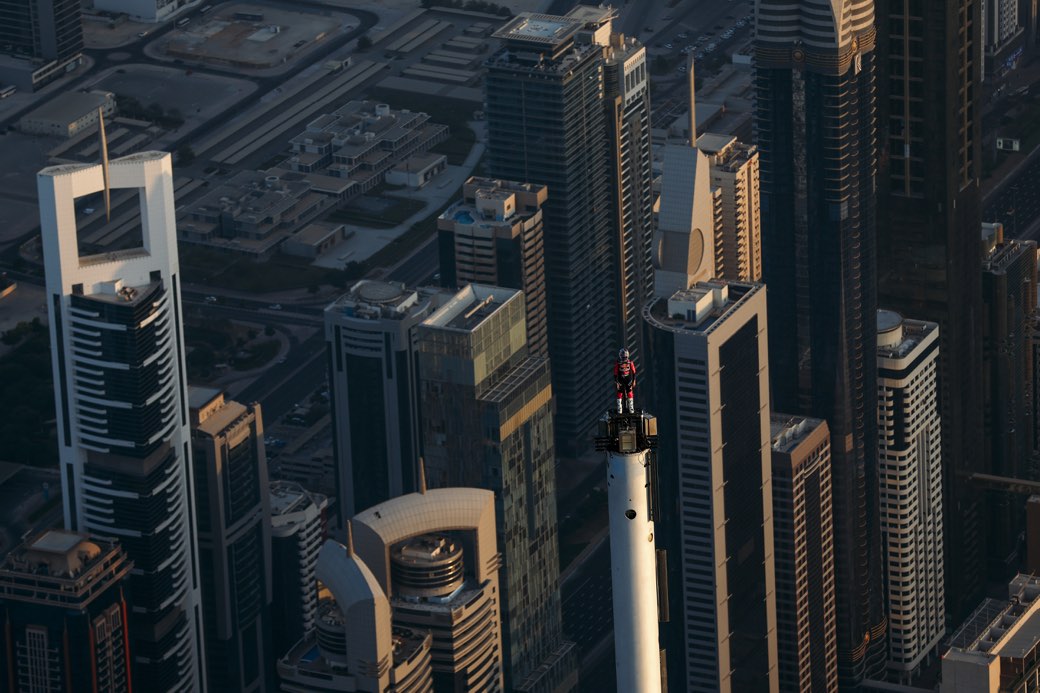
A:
313	240
68	114
416	171
997	648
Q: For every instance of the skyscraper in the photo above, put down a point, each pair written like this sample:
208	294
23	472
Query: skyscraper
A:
122	410
910	459
815	130
298	528
548	124
803	531
45	35
435	555
487	423
929	65
64	611
369	334
1002	34
354	646
734	171
234	521
710	378
1009	283
493	236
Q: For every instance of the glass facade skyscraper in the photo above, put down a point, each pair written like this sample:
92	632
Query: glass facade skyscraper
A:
815	129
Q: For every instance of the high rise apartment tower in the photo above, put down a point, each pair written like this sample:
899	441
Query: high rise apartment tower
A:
734	171
487	423
122	410
815	130
929	69
710	375
64	610
370	338
298	528
566	108
803	531
234	521
493	236
910	458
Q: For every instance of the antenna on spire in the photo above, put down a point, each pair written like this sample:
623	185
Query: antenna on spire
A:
103	145
693	99
350	538
422	475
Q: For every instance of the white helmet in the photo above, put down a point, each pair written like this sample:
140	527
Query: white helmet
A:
622	354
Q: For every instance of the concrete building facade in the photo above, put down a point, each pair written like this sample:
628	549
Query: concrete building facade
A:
487	423
435	555
234	521
355	647
803	531
910	492
40	40
493	236
734	171
710	378
298	527
64	609
121	405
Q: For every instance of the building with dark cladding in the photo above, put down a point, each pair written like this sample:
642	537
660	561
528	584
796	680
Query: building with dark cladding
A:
1009	280
234	520
815	129
64	609
929	69
43	38
567	108
487	423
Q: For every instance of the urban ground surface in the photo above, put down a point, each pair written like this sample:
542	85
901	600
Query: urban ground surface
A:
254	327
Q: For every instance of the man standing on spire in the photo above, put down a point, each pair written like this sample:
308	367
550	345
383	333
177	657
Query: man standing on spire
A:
625	380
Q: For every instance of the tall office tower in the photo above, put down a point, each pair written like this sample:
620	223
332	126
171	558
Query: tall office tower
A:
44	36
487	423
493	236
369	335
734	171
910	459
234	521
64	615
626	96
122	410
803	537
298	527
547	124
815	129
1009	283
435	555
711	395
355	646
996	649
929	206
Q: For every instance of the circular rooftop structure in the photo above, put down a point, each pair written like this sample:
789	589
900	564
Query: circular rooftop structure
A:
888	320
379	292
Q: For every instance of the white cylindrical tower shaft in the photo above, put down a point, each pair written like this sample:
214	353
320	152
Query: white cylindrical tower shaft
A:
633	570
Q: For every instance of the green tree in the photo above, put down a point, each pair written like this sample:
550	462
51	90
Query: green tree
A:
364	43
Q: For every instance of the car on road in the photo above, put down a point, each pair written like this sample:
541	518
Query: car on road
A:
668	46
282	360
142	34
275	306
682	69
681	36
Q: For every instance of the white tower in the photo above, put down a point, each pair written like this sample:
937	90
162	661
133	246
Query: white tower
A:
910	462
121	402
628	440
